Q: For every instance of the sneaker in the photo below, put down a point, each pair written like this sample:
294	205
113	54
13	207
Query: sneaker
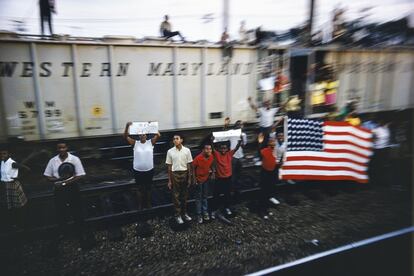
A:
256	159
187	217
228	212
200	219
206	217
179	220
274	201
291	181
258	163
213	215
265	217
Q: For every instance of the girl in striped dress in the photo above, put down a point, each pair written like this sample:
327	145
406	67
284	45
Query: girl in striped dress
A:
12	197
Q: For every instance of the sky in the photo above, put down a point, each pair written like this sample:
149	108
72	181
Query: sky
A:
142	18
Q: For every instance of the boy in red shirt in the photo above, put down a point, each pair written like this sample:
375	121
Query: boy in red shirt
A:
223	158
268	176
204	167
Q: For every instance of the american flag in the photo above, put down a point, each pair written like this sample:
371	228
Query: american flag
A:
318	150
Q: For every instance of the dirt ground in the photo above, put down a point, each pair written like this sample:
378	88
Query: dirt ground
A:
334	218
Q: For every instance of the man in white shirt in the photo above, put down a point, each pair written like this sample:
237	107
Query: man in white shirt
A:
180	173
238	156
67	191
242	32
266	119
379	164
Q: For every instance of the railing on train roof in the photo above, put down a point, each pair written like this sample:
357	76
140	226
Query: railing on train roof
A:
160	41
112	40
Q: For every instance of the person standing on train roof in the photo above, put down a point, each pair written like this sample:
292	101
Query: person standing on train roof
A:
180	173
46	7
223	157
12	197
165	30
143	165
204	171
67	192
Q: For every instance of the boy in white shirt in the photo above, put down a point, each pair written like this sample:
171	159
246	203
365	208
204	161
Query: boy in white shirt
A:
180	173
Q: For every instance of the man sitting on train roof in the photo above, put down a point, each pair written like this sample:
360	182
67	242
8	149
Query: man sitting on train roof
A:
165	30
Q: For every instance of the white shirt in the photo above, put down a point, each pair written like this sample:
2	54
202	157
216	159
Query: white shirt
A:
382	137
143	156
54	163
233	143
267	116
179	158
8	173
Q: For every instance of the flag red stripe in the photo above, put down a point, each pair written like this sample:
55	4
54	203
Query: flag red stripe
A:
323	177
323	168
347	133
314	158
333	123
346	143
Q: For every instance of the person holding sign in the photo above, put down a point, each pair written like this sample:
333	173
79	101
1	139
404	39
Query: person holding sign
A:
180	173
143	164
223	158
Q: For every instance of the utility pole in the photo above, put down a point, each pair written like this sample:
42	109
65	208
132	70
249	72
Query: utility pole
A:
310	22
226	6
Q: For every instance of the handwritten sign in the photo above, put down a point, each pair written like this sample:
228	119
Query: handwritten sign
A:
143	128
221	136
267	84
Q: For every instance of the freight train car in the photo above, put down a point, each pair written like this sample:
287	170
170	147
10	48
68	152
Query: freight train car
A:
73	87
55	89
377	79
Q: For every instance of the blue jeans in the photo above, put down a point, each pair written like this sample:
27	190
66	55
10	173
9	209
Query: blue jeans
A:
201	194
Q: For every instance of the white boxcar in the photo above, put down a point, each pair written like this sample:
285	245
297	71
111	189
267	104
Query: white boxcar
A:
59	89
380	79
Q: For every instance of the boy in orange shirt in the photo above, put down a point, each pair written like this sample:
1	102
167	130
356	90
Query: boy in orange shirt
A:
223	158
268	176
204	168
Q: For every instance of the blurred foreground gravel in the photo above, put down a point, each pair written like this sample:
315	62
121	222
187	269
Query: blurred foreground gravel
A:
218	249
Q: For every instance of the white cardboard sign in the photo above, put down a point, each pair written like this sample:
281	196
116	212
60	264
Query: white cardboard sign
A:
267	84
143	128
221	136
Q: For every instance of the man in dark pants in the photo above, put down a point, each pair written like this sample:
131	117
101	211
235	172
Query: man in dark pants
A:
66	189
223	159
165	29
47	7
268	177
